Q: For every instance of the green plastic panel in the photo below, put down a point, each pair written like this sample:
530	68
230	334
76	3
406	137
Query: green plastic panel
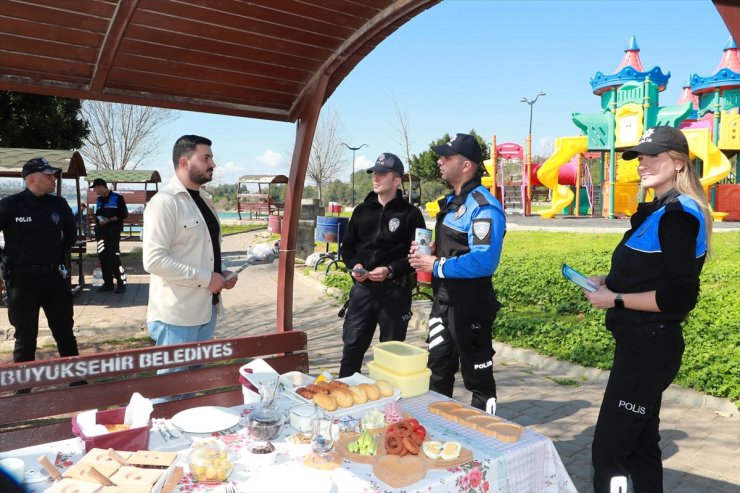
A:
673	115
730	99
599	127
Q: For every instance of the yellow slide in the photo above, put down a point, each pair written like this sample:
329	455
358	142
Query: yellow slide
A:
565	149
715	167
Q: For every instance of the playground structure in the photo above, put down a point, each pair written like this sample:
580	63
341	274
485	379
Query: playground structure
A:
629	106
258	195
708	113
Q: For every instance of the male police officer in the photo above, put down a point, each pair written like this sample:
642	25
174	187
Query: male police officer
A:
110	211
376	247
469	236
39	231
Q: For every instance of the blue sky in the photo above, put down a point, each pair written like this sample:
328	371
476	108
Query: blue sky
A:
466	64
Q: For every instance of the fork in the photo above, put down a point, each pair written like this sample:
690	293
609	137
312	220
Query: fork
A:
158	426
164	430
230	489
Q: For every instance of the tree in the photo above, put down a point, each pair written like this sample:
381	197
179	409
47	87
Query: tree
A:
40	122
425	165
325	160
122	136
403	130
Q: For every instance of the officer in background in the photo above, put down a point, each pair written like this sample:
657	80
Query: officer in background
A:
468	240
376	247
110	211
39	232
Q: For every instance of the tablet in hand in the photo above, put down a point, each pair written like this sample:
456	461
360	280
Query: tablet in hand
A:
574	276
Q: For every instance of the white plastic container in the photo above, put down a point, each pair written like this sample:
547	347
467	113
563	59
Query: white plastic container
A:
409	385
400	358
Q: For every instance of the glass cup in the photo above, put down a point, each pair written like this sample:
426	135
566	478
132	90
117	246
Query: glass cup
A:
322	438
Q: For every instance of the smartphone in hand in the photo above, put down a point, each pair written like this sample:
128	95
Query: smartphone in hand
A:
360	272
574	276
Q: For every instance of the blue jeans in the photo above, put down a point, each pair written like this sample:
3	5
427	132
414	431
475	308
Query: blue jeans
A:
167	334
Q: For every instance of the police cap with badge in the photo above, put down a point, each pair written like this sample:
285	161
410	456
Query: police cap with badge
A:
39	165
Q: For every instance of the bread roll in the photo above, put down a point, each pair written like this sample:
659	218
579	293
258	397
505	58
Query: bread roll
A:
372	391
305	393
326	402
386	389
116	427
359	396
343	397
318	389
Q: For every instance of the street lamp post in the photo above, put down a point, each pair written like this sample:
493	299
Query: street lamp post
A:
353	149
528	202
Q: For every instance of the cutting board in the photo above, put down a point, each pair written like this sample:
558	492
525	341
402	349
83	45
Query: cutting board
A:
400	471
346	438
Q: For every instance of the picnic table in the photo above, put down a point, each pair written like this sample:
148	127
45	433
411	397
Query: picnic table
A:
531	464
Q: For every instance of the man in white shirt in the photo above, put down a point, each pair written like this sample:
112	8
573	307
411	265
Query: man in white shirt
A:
182	250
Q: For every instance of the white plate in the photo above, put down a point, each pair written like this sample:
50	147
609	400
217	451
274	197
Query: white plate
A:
277	479
206	419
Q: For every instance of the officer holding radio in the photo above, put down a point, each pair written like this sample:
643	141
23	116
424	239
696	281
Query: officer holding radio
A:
469	236
375	246
39	230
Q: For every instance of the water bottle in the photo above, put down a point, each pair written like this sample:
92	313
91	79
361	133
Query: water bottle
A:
97	277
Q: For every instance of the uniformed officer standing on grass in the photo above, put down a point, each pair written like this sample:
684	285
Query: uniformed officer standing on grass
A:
468	239
376	247
39	231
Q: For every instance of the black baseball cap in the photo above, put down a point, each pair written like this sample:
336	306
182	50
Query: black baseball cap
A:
39	165
465	145
657	140
98	181
387	162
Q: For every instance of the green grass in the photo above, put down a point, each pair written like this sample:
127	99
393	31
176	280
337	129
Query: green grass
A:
544	312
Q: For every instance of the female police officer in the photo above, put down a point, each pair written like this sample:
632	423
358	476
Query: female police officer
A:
651	287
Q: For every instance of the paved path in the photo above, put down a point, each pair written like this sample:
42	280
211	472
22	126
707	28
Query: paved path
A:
701	445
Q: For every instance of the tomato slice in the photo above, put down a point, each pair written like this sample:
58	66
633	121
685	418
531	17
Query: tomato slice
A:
421	432
414	423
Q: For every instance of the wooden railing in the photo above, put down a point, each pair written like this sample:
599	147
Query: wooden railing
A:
44	414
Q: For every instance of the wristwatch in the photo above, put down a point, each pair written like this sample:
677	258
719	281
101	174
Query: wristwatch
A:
619	302
391	274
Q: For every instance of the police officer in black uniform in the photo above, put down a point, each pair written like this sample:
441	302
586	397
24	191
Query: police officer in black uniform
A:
375	247
110	211
39	232
468	240
652	285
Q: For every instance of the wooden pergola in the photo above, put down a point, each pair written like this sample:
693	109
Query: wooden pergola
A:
268	59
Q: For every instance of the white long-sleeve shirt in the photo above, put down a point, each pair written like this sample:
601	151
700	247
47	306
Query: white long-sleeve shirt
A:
178	254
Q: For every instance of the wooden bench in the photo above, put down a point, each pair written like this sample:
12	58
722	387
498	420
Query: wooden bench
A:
134	220
44	415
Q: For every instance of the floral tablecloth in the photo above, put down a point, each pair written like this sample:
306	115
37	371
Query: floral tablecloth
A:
530	465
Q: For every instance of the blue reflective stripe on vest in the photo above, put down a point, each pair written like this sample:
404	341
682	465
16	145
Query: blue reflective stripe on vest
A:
646	239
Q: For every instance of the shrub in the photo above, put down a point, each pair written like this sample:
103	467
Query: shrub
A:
544	312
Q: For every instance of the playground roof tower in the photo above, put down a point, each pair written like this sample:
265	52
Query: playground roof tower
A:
688	96
629	70
727	74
